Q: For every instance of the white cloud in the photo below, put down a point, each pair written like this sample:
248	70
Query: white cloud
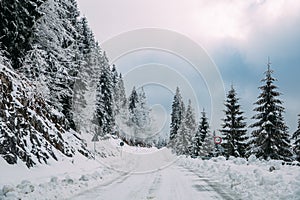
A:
250	24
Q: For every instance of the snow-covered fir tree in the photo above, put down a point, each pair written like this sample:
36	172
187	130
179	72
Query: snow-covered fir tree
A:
132	100
120	101
269	139
115	81
190	123
202	141
143	113
104	115
197	142
115	75
181	140
88	47
296	143
139	114
234	127
132	106
176	116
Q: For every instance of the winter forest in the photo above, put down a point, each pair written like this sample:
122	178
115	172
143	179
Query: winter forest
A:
59	89
72	128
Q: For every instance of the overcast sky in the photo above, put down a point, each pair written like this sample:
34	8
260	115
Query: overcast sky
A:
237	35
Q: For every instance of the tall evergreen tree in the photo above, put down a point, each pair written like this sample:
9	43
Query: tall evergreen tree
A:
270	139
176	115
202	139
115	76
122	115
144	110
190	117
200	135
190	122
182	140
121	93
181	143
104	105
118	92
203	127
296	144
89	51
234	127
138	108
133	101
196	144
138	118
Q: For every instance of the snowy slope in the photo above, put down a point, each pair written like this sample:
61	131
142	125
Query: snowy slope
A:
31	130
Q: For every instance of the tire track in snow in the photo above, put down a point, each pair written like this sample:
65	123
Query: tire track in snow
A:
214	185
171	183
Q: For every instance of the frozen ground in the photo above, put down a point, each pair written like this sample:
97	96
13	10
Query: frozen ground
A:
142	173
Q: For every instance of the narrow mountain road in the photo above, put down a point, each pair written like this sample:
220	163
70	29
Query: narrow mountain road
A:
170	183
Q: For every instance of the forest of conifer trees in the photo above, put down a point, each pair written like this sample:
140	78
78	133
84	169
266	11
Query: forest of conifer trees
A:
57	83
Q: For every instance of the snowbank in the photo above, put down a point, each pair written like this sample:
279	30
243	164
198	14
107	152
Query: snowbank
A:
252	179
64	178
58	180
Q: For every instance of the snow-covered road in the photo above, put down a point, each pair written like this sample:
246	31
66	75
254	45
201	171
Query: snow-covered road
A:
137	173
171	183
143	173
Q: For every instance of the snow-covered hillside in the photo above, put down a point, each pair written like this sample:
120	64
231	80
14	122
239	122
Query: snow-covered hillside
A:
31	130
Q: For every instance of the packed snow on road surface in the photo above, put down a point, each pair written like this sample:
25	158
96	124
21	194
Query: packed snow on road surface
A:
150	173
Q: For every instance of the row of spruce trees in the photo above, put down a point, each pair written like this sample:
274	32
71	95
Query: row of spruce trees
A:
269	138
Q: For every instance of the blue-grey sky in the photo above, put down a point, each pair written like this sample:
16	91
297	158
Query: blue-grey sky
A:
237	35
